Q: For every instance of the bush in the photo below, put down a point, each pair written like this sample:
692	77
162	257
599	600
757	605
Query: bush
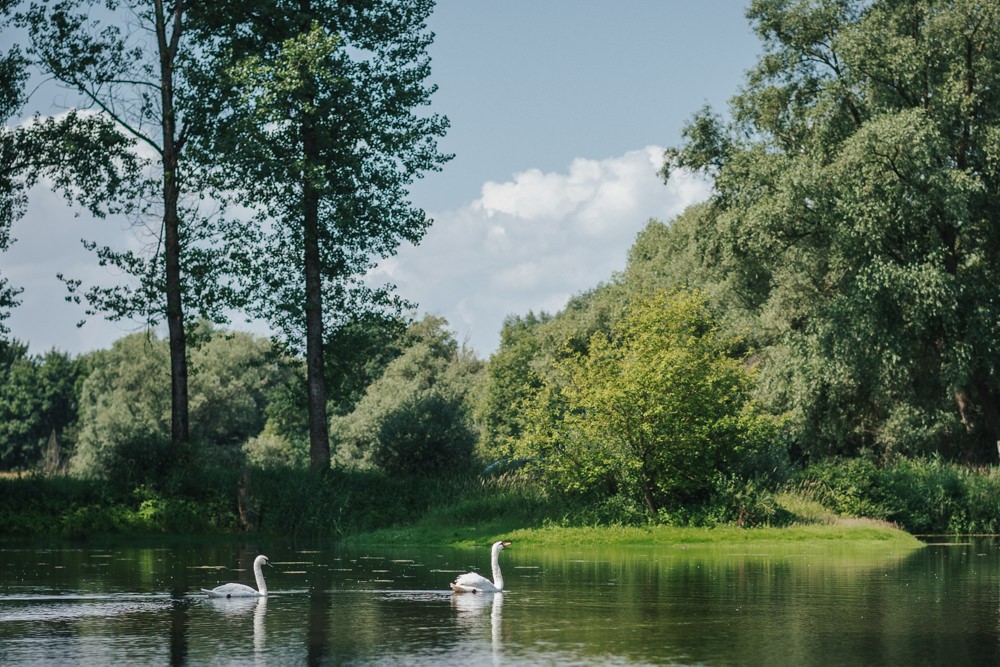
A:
427	435
268	450
924	495
851	486
655	409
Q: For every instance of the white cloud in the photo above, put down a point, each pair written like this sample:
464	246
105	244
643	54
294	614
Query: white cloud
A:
531	243
527	244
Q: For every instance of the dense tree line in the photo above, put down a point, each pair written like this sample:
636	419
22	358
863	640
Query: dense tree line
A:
854	221
848	252
838	295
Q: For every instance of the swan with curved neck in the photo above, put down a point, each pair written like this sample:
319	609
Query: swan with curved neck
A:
473	582
242	590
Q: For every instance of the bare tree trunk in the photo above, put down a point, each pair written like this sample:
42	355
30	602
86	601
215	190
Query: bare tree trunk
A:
990	419
179	424
646	484
319	430
319	437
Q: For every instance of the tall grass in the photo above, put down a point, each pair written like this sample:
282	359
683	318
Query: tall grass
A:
921	496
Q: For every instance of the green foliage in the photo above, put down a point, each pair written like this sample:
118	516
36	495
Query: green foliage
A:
315	117
38	398
849	486
855	193
653	411
417	417
922	495
270	450
357	352
428	435
80	509
124	420
528	356
341	502
12	184
234	377
509	380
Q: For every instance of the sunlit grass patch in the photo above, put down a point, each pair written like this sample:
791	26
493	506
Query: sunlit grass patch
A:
847	533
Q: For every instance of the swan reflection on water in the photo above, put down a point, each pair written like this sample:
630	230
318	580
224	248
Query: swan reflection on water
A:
235	606
472	614
259	633
241	607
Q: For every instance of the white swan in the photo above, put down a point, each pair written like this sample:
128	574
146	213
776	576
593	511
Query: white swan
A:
473	582
242	590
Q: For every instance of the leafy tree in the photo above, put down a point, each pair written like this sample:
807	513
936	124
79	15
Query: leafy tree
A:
854	211
237	374
510	379
125	412
316	119
417	417
38	400
12	77
680	255
657	409
126	60
124	423
530	350
102	170
358	352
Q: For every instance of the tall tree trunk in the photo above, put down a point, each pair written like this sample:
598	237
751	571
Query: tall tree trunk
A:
319	434
319	437
990	411
179	421
646	484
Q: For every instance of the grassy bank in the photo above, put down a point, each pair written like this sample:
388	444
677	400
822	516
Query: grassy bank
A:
815	537
813	528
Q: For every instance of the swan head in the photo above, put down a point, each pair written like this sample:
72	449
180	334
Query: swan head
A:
262	560
500	545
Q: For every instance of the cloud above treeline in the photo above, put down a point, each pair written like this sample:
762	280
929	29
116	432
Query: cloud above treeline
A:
525	244
530	243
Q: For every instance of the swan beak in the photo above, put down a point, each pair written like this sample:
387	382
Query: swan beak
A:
505	545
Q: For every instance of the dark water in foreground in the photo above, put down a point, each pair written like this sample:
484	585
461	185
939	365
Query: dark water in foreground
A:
568	606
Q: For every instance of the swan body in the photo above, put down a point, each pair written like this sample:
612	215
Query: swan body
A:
242	590
473	582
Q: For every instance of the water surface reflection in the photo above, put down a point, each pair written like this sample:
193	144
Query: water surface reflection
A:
575	605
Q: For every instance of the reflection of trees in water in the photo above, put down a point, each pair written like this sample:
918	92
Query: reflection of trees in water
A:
318	632
178	629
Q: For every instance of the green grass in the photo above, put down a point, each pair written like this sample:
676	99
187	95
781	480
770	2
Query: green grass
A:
815	528
811	538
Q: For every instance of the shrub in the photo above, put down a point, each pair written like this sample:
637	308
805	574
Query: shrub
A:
848	486
923	495
655	409
427	435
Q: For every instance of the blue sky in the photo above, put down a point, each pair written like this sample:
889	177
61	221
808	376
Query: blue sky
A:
559	111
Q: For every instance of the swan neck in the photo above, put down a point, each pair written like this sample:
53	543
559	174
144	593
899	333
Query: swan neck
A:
258	573
497	575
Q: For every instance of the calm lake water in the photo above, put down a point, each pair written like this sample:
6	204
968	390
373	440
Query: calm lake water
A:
93	605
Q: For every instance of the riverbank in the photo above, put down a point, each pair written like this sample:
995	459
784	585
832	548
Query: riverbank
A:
814	528
369	508
857	536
